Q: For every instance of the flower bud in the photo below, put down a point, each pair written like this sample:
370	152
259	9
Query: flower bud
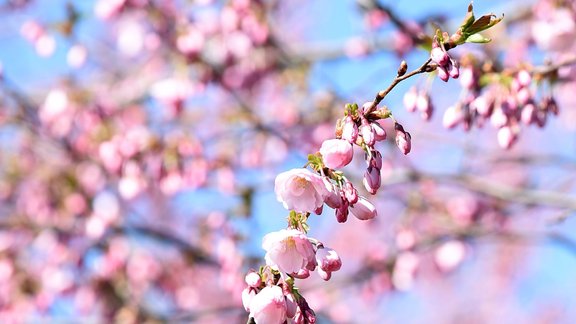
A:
336	153
342	212
367	133
482	105
410	99
379	132
403	139
550	105
349	130
507	137
328	260
253	279
524	78
467	78
524	96
443	73
375	160
454	69
372	180
439	56
269	305
452	116
528	114
498	118
363	209
350	193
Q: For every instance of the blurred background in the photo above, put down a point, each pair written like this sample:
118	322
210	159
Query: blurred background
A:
140	139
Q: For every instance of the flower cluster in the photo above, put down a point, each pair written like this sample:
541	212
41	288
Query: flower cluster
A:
271	296
507	100
447	66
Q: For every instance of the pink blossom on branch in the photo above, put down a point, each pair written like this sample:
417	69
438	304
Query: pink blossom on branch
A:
300	190
289	251
336	153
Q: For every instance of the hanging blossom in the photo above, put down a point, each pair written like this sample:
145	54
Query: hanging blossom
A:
271	295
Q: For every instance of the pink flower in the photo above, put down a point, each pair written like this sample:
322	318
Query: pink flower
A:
289	250
269	306
363	209
336	153
300	190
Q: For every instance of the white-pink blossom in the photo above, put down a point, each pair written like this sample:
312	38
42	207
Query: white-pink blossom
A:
336	153
289	250
268	306
300	190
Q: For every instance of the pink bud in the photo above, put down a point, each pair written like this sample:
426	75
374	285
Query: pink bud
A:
541	117
528	114
498	118
375	160
379	132
350	193
342	212
318	211
253	279
367	133
372	180
336	153
439	56
482	105
403	139
507	137
449	255
328	260
269	305
524	78
550	105
443	73
349	130
468	78
410	99
524	96
333	199
452	116
423	102
454	69
363	209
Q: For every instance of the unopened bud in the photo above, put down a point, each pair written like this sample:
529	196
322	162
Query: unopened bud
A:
454	69
379	132
372	180
443	73
403	68
452	116
363	209
507	137
403	139
350	193
528	114
349	130
253	279
367	133
439	56
410	99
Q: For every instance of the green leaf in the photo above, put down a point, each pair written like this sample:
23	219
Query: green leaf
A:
469	19
477	38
